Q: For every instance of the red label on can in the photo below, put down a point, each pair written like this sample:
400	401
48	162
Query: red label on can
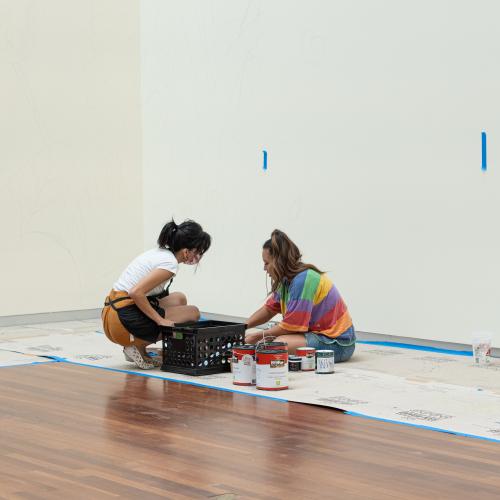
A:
307	355
272	370
243	365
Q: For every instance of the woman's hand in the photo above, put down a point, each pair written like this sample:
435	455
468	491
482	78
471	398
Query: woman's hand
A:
253	335
166	322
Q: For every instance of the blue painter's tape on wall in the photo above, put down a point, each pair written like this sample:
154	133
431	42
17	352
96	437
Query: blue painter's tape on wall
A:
264	165
483	151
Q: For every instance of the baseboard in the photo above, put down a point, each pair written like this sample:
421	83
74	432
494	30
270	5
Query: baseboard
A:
49	317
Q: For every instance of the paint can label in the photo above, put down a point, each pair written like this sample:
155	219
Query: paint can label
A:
244	370
308	362
325	361
294	363
272	370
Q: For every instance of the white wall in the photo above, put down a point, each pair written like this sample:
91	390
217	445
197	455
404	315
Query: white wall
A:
371	112
70	151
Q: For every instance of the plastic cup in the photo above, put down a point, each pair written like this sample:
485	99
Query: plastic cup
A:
481	348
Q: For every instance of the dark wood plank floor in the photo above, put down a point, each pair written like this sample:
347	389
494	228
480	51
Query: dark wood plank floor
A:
68	431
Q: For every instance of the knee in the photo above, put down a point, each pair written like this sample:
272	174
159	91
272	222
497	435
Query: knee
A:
180	298
194	313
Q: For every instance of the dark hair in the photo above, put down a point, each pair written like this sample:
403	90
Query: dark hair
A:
286	259
188	235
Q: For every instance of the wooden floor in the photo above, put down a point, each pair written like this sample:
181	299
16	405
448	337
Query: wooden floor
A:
69	432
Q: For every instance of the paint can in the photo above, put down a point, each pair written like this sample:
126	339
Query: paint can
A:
281	346
294	363
243	365
325	361
272	369
307	356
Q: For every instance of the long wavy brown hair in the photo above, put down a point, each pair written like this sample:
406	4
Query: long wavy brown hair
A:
286	259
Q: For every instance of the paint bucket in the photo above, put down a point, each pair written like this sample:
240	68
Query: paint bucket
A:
325	361
243	365
307	356
272	370
481	348
281	346
294	363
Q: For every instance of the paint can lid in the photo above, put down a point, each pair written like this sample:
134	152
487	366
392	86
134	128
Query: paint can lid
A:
245	347
273	351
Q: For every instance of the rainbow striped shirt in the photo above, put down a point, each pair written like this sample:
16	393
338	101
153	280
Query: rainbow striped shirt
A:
311	303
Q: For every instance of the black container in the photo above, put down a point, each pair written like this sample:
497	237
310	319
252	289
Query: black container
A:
294	363
200	348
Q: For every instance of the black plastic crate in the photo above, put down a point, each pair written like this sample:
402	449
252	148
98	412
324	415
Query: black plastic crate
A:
200	348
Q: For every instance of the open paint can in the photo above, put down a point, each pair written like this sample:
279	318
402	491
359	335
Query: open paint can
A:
243	365
272	370
325	361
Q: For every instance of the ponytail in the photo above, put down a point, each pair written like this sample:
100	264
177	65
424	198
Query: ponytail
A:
167	235
188	235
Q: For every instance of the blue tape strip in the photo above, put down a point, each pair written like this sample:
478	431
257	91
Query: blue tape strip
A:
483	151
264	166
150	375
415	347
419	426
56	358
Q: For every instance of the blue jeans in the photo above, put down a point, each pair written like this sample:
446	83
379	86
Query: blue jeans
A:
343	346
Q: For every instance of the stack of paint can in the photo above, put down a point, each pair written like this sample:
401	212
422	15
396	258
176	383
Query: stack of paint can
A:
266	365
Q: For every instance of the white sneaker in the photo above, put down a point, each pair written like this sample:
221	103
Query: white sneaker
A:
127	357
132	354
156	360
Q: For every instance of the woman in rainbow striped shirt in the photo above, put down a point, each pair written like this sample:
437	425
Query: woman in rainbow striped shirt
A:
314	313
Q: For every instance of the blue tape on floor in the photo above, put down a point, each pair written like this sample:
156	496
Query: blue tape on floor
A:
414	347
150	375
56	358
419	426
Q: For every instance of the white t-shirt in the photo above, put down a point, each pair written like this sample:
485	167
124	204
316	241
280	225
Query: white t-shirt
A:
141	266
